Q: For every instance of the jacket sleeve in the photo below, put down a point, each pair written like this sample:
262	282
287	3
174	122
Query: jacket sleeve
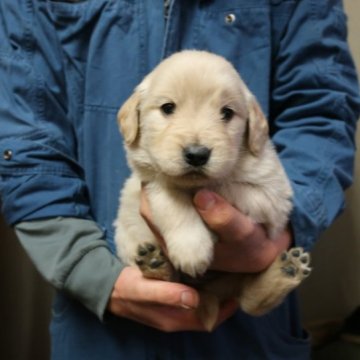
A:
72	255
39	174
40	177
315	106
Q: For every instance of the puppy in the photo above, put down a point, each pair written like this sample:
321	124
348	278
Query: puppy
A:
192	123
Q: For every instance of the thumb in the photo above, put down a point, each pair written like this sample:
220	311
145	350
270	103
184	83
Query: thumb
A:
221	216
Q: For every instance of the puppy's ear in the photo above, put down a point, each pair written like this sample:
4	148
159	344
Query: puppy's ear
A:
258	128
128	118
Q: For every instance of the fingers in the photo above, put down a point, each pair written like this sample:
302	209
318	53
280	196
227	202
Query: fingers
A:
162	305
165	318
221	217
165	306
134	287
244	245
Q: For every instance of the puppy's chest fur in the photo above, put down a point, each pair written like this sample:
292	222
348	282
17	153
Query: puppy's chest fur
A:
257	186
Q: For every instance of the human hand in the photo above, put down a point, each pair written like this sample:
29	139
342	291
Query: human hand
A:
162	305
243	246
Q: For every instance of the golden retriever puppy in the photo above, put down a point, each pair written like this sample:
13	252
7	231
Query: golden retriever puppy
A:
192	123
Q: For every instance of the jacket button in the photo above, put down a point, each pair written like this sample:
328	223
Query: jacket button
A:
230	18
7	155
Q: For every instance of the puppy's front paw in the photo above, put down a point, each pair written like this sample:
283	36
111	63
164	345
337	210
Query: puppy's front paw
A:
193	266
153	263
192	255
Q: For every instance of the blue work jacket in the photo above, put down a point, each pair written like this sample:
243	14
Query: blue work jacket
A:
66	68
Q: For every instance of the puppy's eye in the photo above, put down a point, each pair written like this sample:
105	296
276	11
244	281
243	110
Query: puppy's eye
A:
227	113
168	108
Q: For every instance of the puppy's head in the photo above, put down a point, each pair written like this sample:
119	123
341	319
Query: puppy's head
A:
191	120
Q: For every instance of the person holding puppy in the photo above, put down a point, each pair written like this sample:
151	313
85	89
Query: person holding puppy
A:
65	69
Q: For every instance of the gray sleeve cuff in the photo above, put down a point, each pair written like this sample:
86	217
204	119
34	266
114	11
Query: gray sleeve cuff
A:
73	256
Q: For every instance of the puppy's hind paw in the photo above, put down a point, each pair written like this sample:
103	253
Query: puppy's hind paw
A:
153	263
295	264
268	289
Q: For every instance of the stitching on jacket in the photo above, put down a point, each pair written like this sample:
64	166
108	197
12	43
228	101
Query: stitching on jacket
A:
40	170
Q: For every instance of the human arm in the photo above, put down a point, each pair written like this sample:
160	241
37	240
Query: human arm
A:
72	255
42	185
314	109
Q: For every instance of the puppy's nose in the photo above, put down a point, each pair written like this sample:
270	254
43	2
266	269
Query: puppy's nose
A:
196	155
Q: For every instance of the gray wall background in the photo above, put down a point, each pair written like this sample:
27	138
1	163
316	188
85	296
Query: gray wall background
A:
332	291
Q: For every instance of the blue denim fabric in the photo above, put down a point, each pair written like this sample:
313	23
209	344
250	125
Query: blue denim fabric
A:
65	69
77	335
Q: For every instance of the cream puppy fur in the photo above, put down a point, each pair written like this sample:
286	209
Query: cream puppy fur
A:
192	123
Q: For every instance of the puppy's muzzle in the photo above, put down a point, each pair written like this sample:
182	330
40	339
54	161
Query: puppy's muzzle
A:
196	155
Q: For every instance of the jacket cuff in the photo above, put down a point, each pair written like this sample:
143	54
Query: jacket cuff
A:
313	212
72	255
93	278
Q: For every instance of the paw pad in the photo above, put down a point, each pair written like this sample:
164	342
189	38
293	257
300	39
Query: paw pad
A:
153	263
295	263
